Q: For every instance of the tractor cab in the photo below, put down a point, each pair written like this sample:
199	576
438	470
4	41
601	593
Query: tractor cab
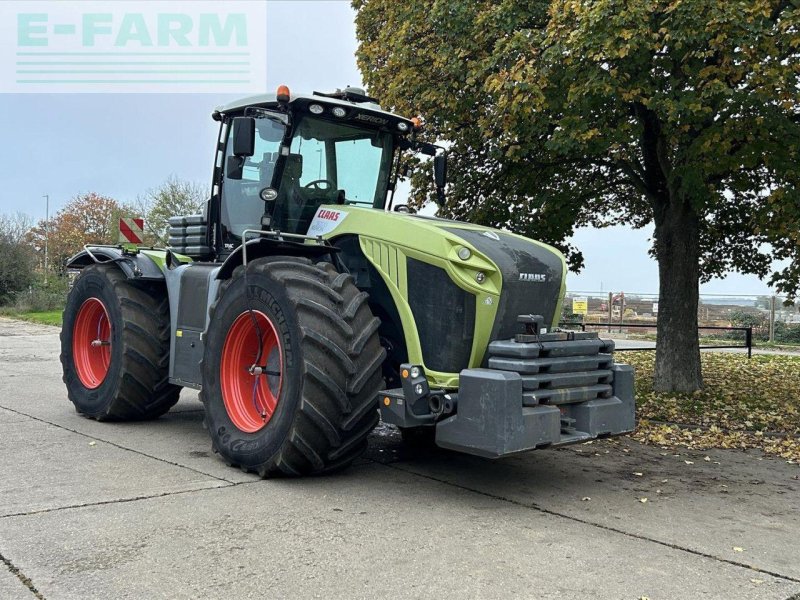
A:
281	157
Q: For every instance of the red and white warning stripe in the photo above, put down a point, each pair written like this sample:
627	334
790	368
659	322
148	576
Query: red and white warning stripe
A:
131	230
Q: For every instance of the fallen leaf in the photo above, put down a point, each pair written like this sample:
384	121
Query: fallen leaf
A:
738	549
638	474
757	581
92	443
585	499
642	500
707	459
688	462
746	403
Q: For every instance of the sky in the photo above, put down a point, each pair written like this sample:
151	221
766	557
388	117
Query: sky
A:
121	145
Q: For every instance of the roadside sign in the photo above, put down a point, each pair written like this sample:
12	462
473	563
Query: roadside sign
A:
655	308
580	306
131	230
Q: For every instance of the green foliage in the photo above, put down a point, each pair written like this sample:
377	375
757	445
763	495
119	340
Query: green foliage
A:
41	296
86	219
17	259
741	318
787	334
172	198
565	113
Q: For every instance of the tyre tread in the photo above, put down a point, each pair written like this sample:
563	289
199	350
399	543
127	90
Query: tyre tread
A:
144	391
341	361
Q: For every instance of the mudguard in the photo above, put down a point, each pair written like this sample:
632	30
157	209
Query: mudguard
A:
142	265
260	247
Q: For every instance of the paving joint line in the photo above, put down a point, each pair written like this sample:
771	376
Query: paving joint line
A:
554	513
119	446
24	579
125	500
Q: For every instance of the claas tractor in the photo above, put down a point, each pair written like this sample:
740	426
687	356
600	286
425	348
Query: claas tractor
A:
305	303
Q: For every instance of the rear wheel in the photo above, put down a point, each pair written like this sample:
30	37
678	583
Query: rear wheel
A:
115	347
292	368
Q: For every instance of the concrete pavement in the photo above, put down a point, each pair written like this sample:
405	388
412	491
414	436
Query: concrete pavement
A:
144	510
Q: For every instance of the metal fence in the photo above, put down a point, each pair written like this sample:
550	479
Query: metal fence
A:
723	317
710	342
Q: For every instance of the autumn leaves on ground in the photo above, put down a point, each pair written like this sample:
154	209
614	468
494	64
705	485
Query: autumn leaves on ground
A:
745	403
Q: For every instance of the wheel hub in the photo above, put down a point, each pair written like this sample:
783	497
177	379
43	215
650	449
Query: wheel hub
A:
91	343
251	371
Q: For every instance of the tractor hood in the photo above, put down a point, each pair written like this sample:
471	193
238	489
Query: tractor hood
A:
458	282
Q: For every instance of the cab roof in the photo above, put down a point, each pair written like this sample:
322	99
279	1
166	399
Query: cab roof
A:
272	100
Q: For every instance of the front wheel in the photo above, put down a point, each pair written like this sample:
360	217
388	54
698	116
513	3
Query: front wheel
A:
292	368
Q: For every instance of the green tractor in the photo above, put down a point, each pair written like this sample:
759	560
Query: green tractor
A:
305	302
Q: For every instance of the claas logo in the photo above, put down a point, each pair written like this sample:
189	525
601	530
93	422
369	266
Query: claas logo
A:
329	215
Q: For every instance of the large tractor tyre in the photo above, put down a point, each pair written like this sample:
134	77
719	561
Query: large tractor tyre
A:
115	347
306	402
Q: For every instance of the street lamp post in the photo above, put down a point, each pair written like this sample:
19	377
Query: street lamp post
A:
46	235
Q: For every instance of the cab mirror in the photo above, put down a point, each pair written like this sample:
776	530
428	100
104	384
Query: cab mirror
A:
244	136
440	170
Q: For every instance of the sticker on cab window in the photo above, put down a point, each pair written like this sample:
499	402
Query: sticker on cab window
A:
325	221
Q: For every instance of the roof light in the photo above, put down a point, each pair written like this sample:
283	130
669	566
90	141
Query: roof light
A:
316	109
283	94
417	121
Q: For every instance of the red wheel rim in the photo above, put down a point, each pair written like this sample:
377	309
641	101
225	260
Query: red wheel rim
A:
250	391
91	343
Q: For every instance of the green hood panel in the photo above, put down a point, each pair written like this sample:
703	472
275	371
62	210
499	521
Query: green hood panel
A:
519	275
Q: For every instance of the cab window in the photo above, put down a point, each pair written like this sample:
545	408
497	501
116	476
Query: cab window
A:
242	207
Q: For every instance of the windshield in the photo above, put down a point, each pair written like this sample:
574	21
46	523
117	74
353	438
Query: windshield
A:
331	163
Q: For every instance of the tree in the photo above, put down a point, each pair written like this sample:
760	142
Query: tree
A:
86	219
565	113
17	260
172	198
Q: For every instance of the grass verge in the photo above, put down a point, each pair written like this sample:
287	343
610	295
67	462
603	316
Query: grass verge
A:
52	317
745	403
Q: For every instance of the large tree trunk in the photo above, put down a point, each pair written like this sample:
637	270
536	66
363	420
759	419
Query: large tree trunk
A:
678	254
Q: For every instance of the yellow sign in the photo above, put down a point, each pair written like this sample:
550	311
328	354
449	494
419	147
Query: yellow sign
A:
580	306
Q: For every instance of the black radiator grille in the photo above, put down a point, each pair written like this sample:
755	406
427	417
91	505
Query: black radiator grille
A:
444	314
